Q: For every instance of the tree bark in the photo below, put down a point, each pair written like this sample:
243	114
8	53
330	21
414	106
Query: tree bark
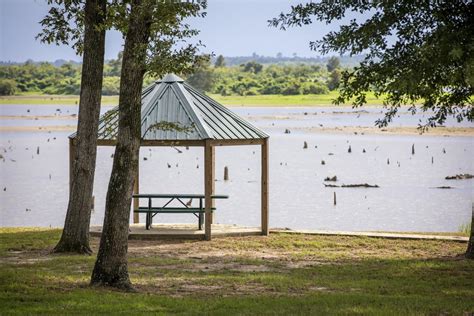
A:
75	235
470	247
111	265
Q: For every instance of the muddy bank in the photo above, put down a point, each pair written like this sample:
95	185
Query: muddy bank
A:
39	117
438	131
55	128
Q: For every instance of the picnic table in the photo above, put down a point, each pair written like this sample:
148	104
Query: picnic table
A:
165	208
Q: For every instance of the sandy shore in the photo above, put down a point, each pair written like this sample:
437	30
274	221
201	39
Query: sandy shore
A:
55	128
39	117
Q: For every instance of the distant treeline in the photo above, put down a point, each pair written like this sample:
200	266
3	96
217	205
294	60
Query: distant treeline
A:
346	61
217	76
253	78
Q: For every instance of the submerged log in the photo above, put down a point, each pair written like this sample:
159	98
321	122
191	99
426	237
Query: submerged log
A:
460	177
362	185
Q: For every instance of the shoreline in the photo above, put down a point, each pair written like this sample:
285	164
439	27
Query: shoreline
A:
268	100
346	130
403	131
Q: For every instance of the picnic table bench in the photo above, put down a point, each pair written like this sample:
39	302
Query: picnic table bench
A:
151	211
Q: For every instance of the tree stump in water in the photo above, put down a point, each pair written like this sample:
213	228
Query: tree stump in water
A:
226	173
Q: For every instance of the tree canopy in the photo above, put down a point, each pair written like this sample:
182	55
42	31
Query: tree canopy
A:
167	50
417	53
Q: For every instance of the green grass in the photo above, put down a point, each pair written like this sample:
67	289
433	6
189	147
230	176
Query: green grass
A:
287	100
279	275
465	229
257	100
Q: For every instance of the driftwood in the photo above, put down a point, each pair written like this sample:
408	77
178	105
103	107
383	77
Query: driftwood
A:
443	187
460	177
362	185
331	178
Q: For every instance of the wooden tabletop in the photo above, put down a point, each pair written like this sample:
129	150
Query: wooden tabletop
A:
183	196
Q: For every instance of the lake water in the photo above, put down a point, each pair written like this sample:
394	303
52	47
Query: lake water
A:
34	187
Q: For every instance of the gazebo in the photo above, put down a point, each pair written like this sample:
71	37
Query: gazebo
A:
176	114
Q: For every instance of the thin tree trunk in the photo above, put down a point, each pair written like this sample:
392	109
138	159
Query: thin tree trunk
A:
111	265
75	235
470	247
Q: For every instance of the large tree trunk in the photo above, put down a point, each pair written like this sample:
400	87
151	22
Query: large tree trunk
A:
111	265
470	247
75	236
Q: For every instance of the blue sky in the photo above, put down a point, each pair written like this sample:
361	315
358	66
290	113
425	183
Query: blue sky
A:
231	28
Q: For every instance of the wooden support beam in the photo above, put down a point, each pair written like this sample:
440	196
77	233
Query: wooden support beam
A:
237	142
136	190
189	143
208	186
175	143
264	183
72	157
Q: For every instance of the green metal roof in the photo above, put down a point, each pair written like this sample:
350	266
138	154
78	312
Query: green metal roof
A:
174	110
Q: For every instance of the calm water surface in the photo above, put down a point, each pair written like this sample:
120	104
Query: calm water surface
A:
34	187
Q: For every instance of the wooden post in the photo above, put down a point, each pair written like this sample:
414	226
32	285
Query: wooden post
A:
72	157
213	182
136	190
264	193
209	164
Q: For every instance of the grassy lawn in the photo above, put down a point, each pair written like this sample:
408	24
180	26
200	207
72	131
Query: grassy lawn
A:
286	100
282	274
256	100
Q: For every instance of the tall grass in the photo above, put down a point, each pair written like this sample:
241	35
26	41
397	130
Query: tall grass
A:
465	229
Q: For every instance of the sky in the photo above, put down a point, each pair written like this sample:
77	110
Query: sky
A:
231	28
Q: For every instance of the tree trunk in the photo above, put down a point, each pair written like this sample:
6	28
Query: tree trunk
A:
470	247
75	235
111	265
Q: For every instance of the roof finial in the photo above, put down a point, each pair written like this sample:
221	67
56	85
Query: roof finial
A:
171	78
